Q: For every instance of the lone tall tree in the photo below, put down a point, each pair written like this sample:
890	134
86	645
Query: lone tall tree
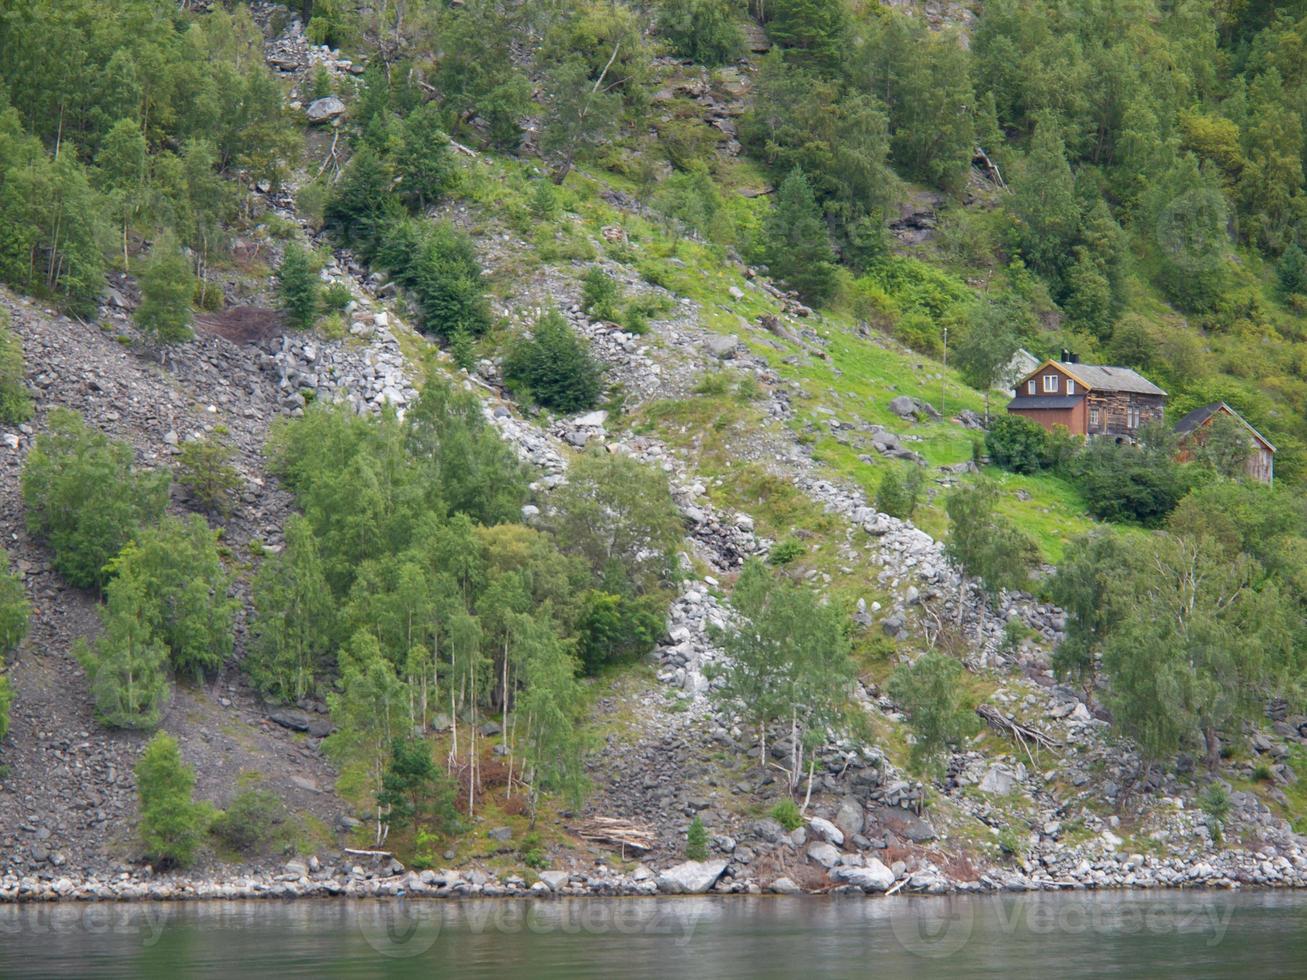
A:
797	244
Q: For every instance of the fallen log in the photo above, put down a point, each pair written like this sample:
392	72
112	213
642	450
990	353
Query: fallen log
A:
1013	729
613	830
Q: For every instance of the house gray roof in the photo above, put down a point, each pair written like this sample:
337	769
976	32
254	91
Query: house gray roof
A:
1044	401
1104	378
1200	415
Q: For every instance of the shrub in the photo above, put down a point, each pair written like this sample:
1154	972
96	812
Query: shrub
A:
172	823
787	814
696	841
336	297
785	552
1125	484
600	296
614	629
84	498
15	401
204	469
251	820
1215	802
1018	444
899	492
931	693
555	367
167	287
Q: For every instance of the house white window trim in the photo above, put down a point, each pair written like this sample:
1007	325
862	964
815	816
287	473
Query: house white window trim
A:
1050	383
1132	417
1070	386
1093	416
1030	387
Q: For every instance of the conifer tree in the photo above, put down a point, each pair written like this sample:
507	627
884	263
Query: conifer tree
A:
297	287
797	244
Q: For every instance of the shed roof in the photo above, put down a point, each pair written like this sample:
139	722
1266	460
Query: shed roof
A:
1200	416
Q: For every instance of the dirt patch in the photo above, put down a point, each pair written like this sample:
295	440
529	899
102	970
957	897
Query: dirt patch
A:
242	324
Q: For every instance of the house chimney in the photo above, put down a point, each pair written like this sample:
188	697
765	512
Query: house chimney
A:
1075	358
1066	356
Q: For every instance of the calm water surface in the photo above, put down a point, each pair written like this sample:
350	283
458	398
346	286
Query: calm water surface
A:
1196	934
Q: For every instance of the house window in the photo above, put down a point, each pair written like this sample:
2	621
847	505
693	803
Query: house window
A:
1050	382
1030	387
1132	418
1070	387
1093	417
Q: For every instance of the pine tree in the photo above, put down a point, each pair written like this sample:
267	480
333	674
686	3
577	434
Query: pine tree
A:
424	161
1291	271
167	288
797	244
555	366
297	287
172	823
1045	201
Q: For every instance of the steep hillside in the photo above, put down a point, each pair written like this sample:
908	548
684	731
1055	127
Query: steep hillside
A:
774	419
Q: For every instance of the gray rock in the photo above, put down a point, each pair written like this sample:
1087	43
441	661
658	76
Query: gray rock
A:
500	833
325	110
874	877
691	877
592	420
827	831
785	886
722	346
999	779
850	817
824	854
554	879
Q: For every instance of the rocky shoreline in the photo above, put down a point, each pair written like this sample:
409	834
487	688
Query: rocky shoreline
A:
860	876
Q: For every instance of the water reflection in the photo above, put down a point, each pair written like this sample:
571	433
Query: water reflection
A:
1206	934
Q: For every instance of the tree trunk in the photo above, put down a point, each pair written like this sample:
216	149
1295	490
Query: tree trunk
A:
1213	742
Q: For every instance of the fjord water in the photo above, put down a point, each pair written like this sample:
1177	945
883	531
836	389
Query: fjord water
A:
1191	934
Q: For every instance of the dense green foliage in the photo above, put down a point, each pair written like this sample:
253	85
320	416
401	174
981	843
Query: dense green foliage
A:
172	823
176	568
696	841
983	543
934	698
408	580
900	491
164	316
126	664
554	367
64	483
122	116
